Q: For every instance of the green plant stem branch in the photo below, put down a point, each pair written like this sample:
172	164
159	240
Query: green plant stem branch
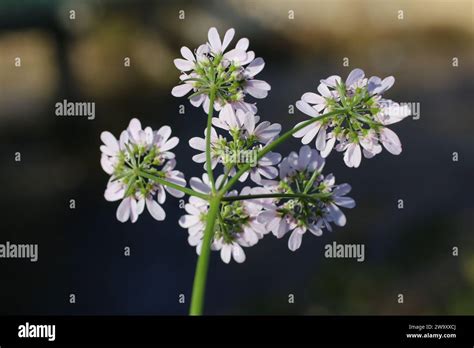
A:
275	195
311	181
164	182
200	276
274	144
226	176
212	97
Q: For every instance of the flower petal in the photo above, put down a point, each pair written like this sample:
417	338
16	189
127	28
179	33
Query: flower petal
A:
345	202
353	155
309	136
354	76
114	191
198	143
123	210
214	40
306	108
294	242
255	67
238	253
226	253
181	90
328	148
187	54
336	214
229	35
243	44
155	210
390	141
110	141
183	65
312	98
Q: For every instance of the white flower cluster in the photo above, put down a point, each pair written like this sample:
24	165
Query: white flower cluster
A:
234	71
237	226
360	125
137	152
240	144
302	173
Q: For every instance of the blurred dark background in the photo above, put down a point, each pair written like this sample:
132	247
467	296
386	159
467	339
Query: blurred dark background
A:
81	251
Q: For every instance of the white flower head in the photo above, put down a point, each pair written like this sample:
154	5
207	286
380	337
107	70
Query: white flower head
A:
232	71
130	160
359	124
237	227
218	146
302	174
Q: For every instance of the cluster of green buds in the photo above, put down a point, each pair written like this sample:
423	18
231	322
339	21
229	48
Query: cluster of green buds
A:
233	217
136	160
358	111
308	200
226	77
312	193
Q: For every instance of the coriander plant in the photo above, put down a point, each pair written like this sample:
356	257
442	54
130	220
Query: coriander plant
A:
289	194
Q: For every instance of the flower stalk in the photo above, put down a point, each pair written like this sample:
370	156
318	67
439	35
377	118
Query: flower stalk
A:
200	276
167	183
212	97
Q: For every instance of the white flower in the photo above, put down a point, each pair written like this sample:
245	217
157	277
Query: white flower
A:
229	119
111	150
229	250
204	185
265	167
264	132
173	176
256	88
148	138
370	144
217	145
361	119
140	151
306	160
352	155
195	221
218	47
309	132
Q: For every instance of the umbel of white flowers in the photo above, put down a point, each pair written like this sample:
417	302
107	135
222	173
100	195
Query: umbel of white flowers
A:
361	121
290	195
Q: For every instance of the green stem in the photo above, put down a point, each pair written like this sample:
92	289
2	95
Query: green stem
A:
200	276
212	97
274	144
274	195
311	181
226	176
173	185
